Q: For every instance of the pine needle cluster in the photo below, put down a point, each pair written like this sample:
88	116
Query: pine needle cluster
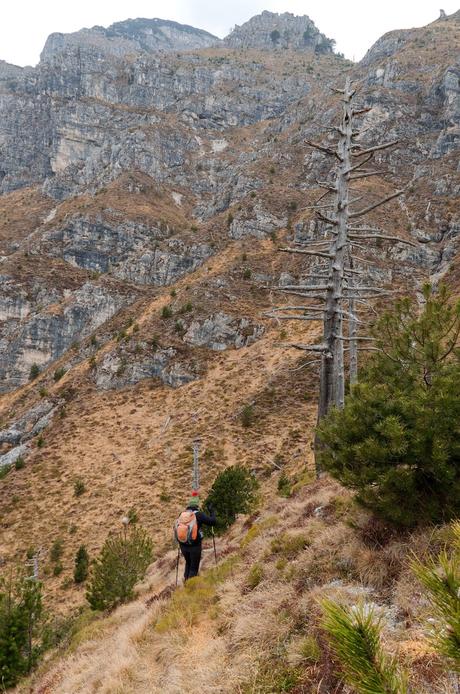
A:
355	638
441	578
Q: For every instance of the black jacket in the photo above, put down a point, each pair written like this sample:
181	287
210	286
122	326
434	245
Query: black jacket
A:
202	519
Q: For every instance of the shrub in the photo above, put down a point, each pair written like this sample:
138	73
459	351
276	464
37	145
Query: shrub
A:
21	628
80	573
79	487
59	373
166	312
186	308
133	516
34	372
396	440
4	470
255	576
40	441
165	497
58	569
247	416
229	219
441	579
179	328
289	546
354	636
247	274
19	463
43	392
122	563
57	550
234	491
275	35
284	486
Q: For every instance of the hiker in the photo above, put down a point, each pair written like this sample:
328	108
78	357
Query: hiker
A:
187	530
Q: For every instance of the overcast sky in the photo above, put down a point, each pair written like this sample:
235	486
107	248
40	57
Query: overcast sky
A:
354	24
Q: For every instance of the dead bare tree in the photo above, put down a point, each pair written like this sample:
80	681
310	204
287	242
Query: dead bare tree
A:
339	291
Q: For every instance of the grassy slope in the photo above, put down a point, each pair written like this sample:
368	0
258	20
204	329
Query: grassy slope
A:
231	632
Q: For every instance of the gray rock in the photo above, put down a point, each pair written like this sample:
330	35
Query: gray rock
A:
118	371
274	31
15	453
221	331
46	335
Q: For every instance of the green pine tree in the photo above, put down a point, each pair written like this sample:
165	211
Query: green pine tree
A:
80	573
234	491
20	627
441	578
397	441
122	563
354	636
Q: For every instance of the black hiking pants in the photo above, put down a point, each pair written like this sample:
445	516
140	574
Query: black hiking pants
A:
192	556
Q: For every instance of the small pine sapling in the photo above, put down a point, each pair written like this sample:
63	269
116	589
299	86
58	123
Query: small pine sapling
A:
354	635
441	579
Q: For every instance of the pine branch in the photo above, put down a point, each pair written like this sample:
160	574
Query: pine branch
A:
355	638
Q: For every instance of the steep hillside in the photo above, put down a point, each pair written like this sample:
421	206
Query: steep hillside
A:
149	176
252	624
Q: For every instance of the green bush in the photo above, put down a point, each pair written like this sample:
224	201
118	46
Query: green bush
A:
58	569
80	573
19	463
122	563
21	628
4	470
396	440
354	636
59	373
57	550
79	487
166	312
247	416
34	372
234	491
284	486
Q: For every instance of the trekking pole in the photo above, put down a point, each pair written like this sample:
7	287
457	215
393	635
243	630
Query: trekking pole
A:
177	564
214	544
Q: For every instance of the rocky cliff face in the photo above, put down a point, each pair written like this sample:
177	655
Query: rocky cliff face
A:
131	36
151	146
274	31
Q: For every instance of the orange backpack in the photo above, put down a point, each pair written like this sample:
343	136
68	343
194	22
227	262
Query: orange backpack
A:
186	528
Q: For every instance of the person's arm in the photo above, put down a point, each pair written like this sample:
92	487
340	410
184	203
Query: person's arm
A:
204	519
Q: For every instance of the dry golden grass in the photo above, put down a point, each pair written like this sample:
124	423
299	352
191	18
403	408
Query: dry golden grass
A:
220	635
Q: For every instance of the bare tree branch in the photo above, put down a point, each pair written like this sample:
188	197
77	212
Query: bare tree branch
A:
305	252
365	210
367	175
363	152
322	148
384	237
